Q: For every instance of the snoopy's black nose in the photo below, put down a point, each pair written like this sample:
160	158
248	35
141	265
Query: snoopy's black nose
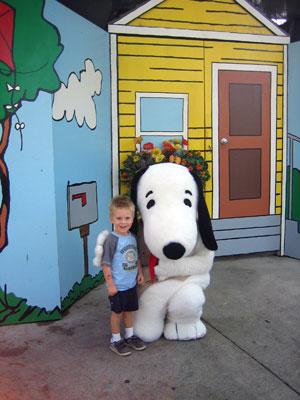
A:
174	251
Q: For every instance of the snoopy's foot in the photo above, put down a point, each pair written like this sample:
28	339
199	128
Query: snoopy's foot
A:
147	329
181	331
148	335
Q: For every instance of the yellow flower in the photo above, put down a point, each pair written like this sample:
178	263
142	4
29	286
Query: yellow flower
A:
177	160
183	162
159	158
177	141
135	158
156	152
178	146
171	158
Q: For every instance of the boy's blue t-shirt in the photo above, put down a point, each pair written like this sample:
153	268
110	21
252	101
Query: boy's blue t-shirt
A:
120	253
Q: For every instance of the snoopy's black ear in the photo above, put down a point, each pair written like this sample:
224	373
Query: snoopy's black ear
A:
204	222
133	196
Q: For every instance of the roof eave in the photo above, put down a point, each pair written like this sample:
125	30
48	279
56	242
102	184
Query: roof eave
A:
197	34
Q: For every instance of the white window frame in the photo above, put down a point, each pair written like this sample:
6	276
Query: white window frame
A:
140	95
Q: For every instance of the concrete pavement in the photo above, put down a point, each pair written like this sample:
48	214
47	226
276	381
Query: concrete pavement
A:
251	350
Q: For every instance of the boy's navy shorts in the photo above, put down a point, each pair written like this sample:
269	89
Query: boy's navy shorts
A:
126	300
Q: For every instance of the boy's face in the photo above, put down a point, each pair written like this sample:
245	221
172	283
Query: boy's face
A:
122	218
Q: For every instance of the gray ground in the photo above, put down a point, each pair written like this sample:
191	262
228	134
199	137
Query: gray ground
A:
251	351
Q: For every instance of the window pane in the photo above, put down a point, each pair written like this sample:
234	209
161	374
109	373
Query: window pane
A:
161	114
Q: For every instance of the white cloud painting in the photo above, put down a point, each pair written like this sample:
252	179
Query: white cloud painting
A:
77	98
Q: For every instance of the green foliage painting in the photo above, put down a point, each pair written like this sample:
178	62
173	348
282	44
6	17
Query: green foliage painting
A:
29	47
80	289
295	211
15	310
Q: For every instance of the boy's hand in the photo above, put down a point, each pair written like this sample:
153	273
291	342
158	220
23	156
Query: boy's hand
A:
140	278
112	290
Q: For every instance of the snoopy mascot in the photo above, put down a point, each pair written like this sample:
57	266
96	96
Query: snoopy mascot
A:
178	235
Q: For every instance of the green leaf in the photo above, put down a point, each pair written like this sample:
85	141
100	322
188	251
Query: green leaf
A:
36	47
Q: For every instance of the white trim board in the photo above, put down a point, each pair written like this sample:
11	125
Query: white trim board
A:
258	15
284	151
114	115
197	34
216	67
137	12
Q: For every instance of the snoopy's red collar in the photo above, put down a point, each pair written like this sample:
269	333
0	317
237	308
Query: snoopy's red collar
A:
152	262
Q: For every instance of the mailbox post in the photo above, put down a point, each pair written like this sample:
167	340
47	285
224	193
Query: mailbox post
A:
82	211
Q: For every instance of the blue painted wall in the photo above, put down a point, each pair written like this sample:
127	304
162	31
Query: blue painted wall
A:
80	154
292	227
294	89
43	259
294	98
29	263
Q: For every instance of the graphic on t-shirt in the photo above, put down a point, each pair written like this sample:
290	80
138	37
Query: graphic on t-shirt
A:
130	257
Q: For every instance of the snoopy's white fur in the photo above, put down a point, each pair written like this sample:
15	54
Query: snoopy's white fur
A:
99	248
173	304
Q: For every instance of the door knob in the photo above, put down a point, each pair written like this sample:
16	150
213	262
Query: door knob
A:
224	140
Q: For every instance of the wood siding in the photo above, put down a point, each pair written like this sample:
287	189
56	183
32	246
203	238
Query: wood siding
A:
171	65
218	15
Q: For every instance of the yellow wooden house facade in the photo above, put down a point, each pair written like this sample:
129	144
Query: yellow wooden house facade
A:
226	64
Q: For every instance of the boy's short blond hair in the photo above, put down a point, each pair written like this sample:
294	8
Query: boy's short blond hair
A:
121	202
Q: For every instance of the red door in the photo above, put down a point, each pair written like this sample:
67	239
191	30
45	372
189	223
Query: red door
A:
244	143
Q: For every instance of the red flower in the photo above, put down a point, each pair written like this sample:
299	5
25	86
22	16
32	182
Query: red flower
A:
125	176
148	146
199	167
168	146
185	142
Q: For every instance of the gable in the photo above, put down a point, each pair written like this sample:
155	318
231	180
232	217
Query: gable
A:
201	18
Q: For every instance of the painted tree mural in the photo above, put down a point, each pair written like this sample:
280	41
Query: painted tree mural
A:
29	47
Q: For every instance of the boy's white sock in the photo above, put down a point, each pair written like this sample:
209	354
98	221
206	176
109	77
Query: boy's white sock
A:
115	337
128	332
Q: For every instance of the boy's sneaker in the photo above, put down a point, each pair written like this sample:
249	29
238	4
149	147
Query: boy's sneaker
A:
135	343
120	348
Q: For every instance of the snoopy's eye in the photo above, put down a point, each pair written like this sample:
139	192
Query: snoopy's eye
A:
187	202
150	204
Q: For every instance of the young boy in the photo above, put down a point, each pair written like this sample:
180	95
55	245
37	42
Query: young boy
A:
122	270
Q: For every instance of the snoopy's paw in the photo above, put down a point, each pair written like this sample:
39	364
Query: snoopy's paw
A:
102	237
180	331
162	274
99	248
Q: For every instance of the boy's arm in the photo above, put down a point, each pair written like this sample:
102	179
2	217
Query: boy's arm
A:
111	288
140	277
109	247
